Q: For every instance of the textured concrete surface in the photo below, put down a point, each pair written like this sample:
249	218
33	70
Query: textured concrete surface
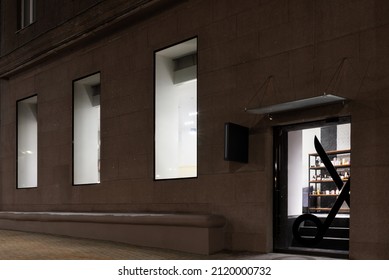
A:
307	47
16	245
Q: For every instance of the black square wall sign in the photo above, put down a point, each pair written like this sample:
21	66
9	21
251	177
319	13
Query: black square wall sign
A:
236	143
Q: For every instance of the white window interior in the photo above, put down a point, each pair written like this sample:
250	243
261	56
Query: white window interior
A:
86	130
27	161
176	111
27	10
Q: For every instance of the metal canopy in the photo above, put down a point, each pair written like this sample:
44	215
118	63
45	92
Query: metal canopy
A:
297	104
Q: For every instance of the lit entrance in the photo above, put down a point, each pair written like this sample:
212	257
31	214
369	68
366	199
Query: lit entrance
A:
304	186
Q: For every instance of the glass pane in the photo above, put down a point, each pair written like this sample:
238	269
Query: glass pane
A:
310	187
27	143
86	130
27	12
176	111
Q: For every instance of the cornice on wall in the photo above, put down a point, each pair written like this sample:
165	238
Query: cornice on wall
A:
95	22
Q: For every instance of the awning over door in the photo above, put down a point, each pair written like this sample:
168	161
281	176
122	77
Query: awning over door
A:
321	100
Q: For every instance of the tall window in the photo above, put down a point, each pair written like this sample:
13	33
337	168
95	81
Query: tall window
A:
26	10
176	111
86	130
27	143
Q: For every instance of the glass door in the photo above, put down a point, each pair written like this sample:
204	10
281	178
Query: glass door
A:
302	184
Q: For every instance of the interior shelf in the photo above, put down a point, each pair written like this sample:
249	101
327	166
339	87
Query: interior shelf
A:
323	209
326	181
318	195
336	166
323	191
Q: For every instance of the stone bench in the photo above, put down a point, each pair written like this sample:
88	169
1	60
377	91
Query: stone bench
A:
194	233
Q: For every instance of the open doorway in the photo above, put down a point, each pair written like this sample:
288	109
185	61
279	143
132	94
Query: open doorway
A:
304	186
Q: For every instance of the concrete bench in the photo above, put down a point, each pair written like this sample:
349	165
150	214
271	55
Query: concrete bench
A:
194	233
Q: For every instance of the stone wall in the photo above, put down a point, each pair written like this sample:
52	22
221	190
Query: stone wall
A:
306	47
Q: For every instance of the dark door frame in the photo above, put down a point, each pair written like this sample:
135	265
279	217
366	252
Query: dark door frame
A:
281	237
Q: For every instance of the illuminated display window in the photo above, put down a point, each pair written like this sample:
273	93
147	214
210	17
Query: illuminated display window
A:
27	143
26	10
86	130
176	111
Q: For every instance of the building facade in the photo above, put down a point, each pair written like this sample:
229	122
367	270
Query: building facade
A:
239	54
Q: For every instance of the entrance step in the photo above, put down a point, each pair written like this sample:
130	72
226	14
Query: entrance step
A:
332	243
337	222
340	254
336	237
341	232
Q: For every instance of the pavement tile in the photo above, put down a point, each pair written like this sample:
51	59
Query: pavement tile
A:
17	245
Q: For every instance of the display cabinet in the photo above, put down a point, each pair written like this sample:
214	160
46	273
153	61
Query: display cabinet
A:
323	191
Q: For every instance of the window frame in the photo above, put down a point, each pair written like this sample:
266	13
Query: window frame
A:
155	111
73	134
22	12
17	144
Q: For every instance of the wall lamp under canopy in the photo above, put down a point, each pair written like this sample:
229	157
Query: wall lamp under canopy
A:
321	100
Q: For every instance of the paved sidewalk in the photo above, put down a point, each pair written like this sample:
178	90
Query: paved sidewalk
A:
16	245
